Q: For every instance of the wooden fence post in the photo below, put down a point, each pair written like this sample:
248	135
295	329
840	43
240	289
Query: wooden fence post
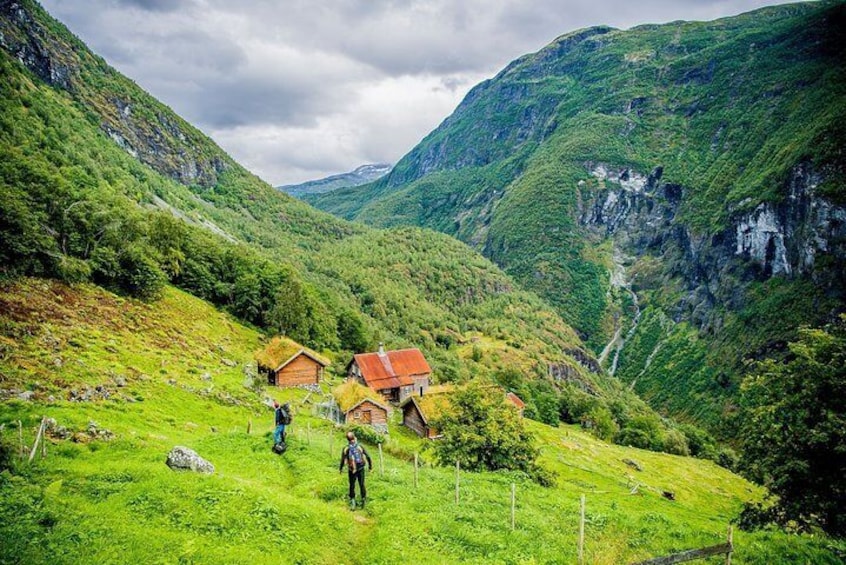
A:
37	438
415	470
331	442
512	505
582	531
308	433
731	545
381	462
457	469
249	426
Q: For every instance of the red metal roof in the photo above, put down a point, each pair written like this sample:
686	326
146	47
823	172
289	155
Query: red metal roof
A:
392	369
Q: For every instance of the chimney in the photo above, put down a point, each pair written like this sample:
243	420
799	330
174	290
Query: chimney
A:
381	348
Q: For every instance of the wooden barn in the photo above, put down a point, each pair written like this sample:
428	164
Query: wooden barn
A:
361	405
396	375
418	412
287	363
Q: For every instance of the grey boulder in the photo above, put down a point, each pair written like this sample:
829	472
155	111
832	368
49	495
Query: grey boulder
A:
184	458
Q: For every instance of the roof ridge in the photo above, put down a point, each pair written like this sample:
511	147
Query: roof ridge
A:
386	362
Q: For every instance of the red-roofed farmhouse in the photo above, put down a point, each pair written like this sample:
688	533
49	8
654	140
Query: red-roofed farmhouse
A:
396	375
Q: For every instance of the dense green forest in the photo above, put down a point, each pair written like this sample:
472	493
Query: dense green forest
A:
658	150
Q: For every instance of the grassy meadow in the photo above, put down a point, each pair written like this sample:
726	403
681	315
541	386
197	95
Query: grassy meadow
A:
174	374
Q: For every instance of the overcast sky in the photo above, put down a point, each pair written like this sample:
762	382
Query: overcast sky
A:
301	89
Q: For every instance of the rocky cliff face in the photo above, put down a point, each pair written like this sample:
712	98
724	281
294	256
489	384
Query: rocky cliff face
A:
783	239
134	120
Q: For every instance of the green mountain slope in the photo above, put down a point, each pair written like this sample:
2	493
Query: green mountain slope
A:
172	372
689	175
102	183
62	168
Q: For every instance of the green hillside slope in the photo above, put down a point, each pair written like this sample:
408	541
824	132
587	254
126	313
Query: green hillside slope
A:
86	197
692	169
101	182
172	372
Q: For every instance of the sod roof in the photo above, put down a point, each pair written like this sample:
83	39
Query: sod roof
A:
281	350
350	394
431	405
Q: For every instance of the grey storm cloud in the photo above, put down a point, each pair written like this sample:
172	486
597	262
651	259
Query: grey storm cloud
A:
299	89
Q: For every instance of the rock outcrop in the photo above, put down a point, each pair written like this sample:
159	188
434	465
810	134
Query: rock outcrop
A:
641	214
182	458
139	124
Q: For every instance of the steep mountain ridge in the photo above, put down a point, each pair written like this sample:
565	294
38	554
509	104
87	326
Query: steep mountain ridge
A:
361	175
708	154
137	122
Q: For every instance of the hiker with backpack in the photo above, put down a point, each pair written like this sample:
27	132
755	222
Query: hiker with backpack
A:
354	456
283	419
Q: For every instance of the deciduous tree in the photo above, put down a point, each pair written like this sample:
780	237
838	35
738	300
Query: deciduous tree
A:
795	428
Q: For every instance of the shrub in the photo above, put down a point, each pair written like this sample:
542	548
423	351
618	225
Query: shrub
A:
728	458
140	274
700	442
643	431
573	403
482	432
634	437
72	270
476	354
675	442
600	423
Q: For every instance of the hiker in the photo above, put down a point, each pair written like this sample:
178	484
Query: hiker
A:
283	418
354	456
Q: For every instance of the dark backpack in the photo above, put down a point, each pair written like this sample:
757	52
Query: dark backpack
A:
355	457
284	417
280	448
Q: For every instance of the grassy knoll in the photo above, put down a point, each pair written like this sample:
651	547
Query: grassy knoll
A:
174	373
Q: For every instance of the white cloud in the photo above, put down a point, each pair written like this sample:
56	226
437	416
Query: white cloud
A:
300	89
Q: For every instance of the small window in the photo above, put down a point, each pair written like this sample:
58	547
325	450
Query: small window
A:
357	414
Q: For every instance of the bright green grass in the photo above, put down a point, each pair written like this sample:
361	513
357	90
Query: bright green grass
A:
117	502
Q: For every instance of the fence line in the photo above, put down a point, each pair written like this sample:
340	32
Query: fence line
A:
689	555
692	554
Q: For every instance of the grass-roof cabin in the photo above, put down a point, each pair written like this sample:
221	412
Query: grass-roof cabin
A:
418	412
287	363
362	405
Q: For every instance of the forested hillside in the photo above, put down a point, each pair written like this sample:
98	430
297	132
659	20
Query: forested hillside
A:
675	191
100	182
